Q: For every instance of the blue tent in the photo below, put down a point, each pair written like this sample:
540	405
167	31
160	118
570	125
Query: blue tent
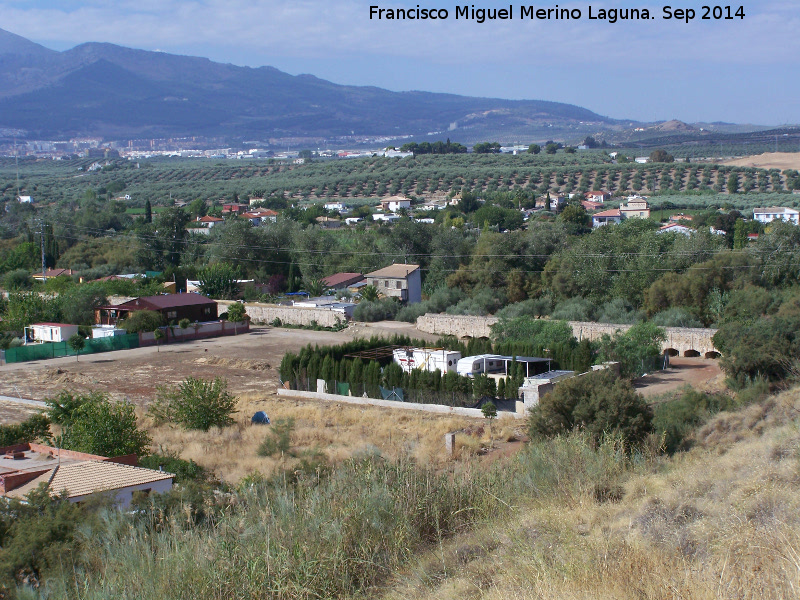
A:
260	418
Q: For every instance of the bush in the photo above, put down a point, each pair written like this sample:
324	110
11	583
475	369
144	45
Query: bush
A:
195	404
35	427
676	317
619	311
539	307
18	280
96	425
675	420
379	310
279	438
598	403
766	347
574	309
184	470
143	321
636	347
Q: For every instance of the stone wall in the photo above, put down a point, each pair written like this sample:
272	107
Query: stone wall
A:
679	339
290	315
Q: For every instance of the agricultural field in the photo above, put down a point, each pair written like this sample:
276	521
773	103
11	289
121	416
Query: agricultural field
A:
165	180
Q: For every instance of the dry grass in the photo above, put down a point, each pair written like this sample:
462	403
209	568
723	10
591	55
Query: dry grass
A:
337	430
722	521
768	160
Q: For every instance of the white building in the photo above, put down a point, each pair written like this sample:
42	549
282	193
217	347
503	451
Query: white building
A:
395	203
768	215
50	332
25	199
426	359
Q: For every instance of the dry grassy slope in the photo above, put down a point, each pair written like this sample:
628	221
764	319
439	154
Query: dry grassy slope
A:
722	521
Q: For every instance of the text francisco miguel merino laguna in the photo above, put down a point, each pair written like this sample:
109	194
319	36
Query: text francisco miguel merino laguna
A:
611	15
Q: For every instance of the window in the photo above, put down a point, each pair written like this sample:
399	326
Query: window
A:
386	284
207	310
172	314
399	285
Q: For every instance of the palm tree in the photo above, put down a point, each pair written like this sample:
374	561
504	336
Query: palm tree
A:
369	293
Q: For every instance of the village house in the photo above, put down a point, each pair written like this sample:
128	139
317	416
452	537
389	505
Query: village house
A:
25	467
598	196
50	273
398	281
341	281
768	215
208	221
606	217
637	207
676	228
395	203
173	307
234	208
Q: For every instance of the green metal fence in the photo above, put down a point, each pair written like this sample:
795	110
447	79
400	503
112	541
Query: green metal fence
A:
59	349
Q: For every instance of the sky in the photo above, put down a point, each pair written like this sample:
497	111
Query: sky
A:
740	70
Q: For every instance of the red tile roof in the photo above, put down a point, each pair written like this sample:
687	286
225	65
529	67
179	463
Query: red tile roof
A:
342	279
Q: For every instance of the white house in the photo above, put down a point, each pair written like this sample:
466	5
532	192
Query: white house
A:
598	196
606	217
385	218
209	221
398	281
339	207
768	215
25	199
395	203
636	207
50	332
676	228
426	359
642	160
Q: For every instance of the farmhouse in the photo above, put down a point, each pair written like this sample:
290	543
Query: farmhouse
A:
768	215
398	281
24	467
395	203
209	221
676	228
52	273
173	307
607	216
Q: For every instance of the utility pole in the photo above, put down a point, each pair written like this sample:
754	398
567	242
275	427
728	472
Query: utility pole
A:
44	267
16	163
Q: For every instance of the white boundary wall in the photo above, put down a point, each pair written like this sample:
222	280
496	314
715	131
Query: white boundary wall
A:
432	408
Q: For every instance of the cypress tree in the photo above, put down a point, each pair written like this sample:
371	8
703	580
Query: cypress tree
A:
148	212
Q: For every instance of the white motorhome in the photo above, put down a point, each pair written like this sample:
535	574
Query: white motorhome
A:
482	364
427	359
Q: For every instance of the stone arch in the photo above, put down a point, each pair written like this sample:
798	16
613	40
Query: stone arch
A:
691	354
671	352
712	354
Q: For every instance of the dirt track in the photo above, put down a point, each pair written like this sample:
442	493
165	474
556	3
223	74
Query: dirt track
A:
249	362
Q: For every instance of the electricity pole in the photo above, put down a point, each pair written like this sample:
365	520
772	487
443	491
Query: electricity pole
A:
44	266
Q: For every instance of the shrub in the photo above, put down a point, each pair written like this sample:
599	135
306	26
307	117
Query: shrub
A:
143	321
634	348
574	309
619	311
765	347
278	439
35	427
597	403
379	310
676	317
195	404
675	420
97	425
184	470
18	280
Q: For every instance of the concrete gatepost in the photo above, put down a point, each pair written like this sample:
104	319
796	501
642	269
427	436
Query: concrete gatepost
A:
321	386
450	443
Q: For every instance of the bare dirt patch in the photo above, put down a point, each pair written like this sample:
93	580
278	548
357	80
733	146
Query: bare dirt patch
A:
768	160
700	373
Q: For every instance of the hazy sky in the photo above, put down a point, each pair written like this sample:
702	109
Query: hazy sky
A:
741	70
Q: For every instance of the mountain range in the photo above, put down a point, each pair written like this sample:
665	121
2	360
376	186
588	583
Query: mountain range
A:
107	90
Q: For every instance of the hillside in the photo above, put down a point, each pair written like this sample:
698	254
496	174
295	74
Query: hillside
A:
109	90
718	522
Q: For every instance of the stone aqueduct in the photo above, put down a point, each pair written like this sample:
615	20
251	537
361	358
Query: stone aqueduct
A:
681	341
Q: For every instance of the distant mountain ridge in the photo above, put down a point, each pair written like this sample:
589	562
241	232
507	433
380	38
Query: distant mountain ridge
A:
112	91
